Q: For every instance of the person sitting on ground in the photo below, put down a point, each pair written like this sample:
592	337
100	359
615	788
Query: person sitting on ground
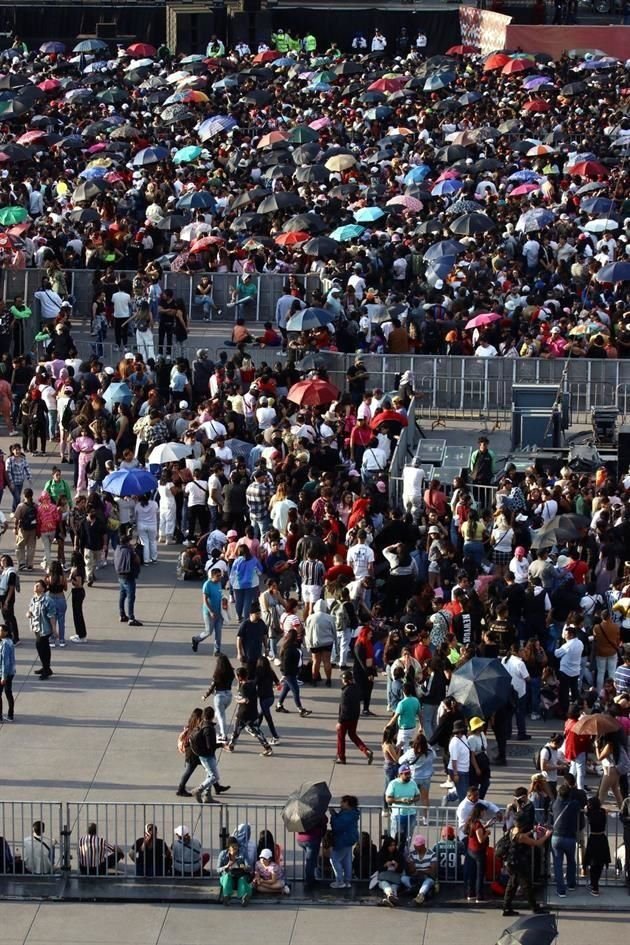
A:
234	874
269	875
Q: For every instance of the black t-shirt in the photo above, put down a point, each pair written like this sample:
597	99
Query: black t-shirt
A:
247	711
252	634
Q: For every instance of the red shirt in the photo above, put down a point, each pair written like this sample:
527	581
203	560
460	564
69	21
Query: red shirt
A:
422	653
337	571
574	745
579	570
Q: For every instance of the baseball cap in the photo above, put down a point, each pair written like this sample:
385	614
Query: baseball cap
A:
419	840
183	405
266	854
232	533
128	356
182	830
563	561
520	550
403	768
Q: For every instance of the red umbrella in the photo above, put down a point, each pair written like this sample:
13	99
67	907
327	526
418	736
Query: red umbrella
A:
388	84
313	393
49	85
205	243
388	416
7	241
274	137
142	50
495	61
30	137
484	318
268	56
588	169
523	189
462	50
517	65
537	105
292	239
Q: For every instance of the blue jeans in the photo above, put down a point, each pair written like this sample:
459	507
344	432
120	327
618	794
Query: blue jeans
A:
243	600
211	625
474	551
222	702
341	859
476	871
290	684
311	853
16	492
211	767
127	596
60	604
462	785
403	825
564	848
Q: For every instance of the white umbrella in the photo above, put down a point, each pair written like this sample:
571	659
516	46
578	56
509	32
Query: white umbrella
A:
169	453
600	226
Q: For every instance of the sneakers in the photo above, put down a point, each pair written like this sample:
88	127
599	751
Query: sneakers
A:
286	890
135	623
77	639
534	717
61	644
124	618
221	788
305	712
268	751
195	644
281	708
370	756
337	885
340	761
447	784
419	900
277	662
183	793
275	741
510	912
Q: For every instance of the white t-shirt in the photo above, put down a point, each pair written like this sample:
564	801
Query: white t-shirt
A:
360	558
518	671
122	304
459	752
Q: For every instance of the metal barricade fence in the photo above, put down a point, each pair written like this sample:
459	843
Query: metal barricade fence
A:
123	825
32	838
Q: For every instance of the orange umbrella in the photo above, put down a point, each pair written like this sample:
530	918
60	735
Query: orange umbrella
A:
274	137
268	56
205	243
292	239
495	61
537	105
517	65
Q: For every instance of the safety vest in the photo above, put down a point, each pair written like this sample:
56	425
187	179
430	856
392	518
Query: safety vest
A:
310	43
281	42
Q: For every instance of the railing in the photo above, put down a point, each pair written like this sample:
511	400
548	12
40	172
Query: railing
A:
123	826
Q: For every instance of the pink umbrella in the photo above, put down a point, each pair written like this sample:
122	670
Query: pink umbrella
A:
409	203
485	318
320	123
523	189
95	148
448	175
30	137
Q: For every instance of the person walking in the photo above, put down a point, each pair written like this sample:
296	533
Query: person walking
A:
566	823
348	719
7	672
77	595
127	567
147	527
25	526
570	656
91	540
247	712
184	748
9	585
320	637
17	472
244	580
42	616
203	742
290	661
266	680
211	611
519	862
221	686
251	639
364	670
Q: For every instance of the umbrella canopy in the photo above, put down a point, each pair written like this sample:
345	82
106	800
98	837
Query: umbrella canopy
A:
129	482
531	930
312	393
118	393
597	724
150	156
444	248
391	417
485	318
344	234
481	686
614	272
9	216
308	318
588	169
169	453
306	806
280	201
470	223
560	529
321	246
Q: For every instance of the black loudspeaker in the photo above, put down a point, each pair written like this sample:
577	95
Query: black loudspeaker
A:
106	30
623	449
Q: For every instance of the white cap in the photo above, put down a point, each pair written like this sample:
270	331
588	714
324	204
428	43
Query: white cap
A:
183	405
182	830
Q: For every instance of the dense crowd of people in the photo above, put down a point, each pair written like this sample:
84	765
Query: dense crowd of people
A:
273	483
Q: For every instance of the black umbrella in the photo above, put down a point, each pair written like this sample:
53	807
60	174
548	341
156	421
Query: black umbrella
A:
349	68
172	222
481	687
312	174
560	529
321	246
280	170
428	226
280	201
451	153
462	206
84	215
246	222
247	197
444	248
305	807
306	153
257	97
86	192
531	930
471	223
310	222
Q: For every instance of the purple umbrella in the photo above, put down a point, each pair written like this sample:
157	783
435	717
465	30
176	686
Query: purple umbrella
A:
536	81
445	187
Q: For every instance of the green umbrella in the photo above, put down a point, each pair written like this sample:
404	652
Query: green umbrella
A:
302	134
9	216
190	153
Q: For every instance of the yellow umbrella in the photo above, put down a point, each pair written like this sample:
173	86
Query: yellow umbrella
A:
101	162
340	162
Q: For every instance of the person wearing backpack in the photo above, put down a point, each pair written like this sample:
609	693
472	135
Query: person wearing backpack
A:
25	525
515	849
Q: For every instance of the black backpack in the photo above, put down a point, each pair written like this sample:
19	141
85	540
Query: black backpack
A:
28	519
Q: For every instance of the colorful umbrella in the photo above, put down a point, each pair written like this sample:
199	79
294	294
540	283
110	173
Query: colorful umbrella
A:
368	214
142	50
185	155
12	215
588	169
484	318
344	234
314	392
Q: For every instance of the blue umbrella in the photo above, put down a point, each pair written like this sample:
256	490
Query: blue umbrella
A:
417	174
601	206
469	98
308	318
378	113
445	187
150	156
534	220
525	177
437	81
94	173
52	47
90	45
343	234
444	248
129	482
369	214
117	393
214	126
614	272
440	268
197	200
